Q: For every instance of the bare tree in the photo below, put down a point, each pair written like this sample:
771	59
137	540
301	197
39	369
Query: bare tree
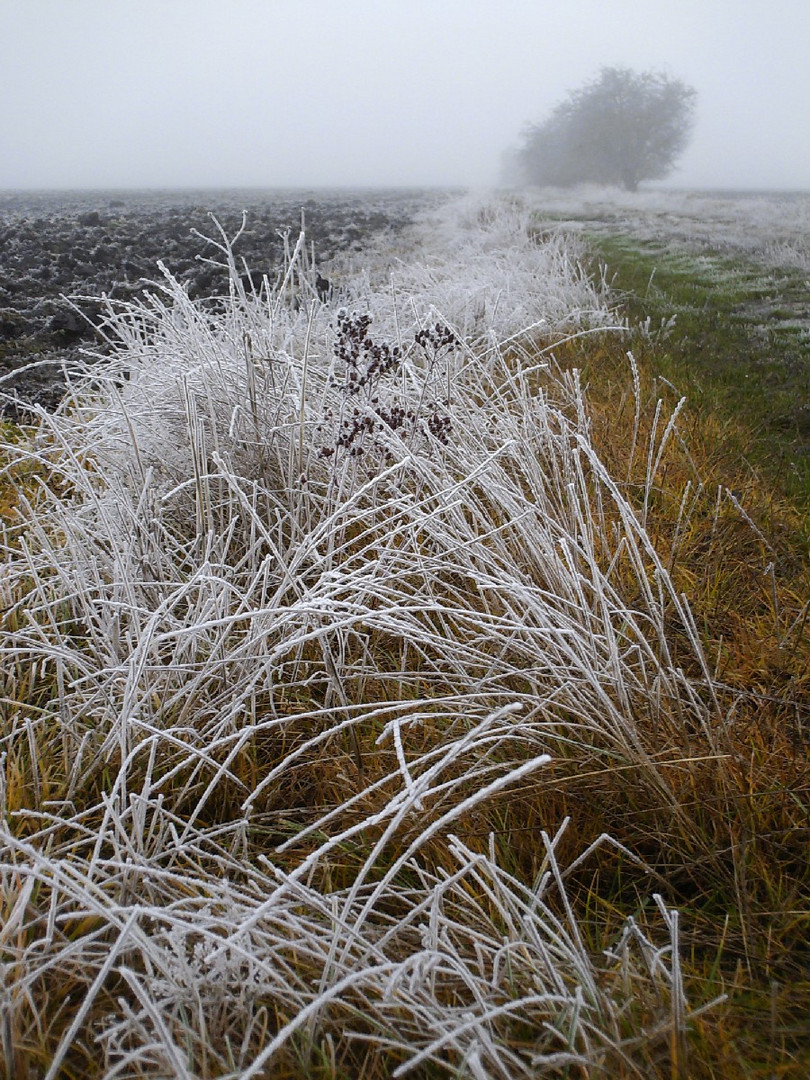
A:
622	128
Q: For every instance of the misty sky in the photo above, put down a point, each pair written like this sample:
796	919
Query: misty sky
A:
168	93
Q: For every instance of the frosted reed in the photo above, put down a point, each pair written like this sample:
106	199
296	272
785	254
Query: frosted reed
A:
261	686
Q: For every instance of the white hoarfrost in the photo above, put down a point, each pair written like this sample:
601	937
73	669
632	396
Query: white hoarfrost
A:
771	229
257	546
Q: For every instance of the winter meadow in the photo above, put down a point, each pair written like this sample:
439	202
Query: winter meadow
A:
401	676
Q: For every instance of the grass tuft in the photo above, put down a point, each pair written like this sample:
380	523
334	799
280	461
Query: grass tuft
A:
447	720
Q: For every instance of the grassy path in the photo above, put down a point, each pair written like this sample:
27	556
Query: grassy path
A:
738	349
739	346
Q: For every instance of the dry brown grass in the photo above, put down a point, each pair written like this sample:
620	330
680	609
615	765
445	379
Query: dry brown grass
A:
720	825
733	847
706	806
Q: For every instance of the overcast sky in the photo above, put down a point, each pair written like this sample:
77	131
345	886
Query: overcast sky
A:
179	93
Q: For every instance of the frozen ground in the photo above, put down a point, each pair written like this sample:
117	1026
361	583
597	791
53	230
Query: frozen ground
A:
771	228
85	244
729	273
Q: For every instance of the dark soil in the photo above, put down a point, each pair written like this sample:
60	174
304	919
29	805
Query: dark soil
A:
81	245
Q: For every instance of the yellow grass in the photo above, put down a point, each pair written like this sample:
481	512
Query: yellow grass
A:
710	817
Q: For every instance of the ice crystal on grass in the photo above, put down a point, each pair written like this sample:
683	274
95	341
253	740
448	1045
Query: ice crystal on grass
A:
256	696
372	405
